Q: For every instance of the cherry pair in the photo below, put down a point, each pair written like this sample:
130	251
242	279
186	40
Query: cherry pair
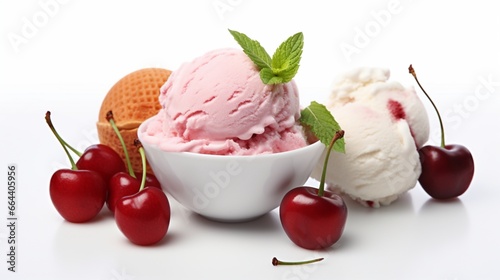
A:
79	193
99	176
141	208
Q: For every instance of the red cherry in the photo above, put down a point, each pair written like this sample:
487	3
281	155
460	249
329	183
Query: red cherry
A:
312	221
151	180
123	184
143	217
446	172
101	159
120	185
314	218
78	195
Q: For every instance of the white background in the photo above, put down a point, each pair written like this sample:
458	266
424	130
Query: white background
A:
65	56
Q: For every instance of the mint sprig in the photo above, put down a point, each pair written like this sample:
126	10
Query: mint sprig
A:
321	122
253	49
283	65
281	68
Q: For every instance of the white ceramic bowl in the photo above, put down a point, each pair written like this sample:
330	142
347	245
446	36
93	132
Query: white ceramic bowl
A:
231	188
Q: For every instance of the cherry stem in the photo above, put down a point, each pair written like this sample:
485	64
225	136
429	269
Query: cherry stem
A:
412	72
339	134
61	141
277	262
109	117
78	153
138	144
64	143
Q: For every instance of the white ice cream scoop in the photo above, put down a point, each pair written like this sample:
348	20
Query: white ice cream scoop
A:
384	125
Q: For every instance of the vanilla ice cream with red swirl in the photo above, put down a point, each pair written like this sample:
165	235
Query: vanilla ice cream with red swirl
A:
385	123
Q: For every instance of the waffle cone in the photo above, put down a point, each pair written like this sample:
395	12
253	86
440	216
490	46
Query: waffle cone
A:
133	99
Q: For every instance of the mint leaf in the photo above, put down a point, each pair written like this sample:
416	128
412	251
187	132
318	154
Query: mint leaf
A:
253	49
286	58
321	122
284	64
287	74
269	78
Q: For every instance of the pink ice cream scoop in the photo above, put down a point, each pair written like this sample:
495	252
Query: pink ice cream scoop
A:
217	104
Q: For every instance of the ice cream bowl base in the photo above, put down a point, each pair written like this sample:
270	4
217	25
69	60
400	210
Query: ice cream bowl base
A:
229	188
